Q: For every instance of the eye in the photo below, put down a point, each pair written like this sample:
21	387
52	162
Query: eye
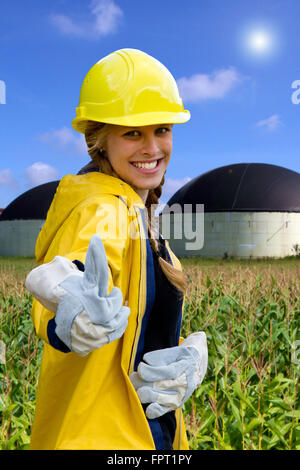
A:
163	130
133	133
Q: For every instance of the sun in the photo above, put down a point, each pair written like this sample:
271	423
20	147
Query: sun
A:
259	42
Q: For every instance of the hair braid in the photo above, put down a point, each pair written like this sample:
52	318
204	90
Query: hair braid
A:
174	275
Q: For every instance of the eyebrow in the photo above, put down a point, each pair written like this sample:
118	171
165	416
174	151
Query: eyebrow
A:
139	128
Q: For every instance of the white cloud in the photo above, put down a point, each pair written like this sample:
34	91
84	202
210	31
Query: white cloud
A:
40	173
6	177
270	123
172	185
64	138
203	87
66	25
105	19
107	16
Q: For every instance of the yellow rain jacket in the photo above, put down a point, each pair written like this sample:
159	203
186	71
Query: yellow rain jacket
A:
89	402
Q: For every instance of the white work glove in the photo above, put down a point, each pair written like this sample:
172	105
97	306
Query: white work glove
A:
86	317
168	377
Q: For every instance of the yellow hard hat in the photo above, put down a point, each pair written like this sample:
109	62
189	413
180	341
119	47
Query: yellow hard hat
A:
129	88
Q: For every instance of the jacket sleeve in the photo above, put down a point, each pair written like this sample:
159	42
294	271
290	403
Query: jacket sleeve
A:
108	218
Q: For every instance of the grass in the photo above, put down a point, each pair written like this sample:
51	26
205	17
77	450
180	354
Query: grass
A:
18	376
250	312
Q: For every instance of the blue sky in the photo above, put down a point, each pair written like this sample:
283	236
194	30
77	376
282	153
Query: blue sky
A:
234	61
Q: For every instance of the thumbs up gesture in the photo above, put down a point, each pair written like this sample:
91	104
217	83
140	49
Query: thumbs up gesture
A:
86	316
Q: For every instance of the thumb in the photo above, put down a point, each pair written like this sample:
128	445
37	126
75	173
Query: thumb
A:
96	271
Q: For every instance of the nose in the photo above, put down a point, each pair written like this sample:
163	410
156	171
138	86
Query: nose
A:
150	147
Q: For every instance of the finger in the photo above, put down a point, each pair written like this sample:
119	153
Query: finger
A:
103	309
117	333
114	298
136	381
108	312
176	385
163	356
156	373
119	320
168	399
96	271
154	410
147	394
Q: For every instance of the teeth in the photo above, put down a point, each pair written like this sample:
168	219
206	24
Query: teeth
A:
149	166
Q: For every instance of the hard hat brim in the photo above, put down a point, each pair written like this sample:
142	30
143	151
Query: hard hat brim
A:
137	120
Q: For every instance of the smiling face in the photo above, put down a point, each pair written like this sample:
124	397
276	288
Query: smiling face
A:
140	155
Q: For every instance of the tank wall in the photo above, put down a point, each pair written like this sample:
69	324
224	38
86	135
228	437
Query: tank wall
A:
238	234
18	237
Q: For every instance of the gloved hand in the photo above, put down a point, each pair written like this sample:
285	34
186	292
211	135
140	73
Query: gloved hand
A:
168	377
86	317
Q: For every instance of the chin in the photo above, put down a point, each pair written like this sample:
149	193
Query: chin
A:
151	184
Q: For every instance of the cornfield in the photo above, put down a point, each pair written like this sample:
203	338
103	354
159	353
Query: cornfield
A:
250	312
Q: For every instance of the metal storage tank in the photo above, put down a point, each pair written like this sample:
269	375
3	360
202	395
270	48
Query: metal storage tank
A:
23	218
250	210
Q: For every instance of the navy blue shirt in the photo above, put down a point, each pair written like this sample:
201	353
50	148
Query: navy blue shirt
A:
160	330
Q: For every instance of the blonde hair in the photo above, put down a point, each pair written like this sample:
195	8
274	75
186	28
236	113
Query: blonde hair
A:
95	136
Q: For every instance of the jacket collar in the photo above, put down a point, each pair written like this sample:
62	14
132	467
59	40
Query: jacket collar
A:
104	184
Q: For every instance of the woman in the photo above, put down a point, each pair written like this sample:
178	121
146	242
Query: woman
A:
109	289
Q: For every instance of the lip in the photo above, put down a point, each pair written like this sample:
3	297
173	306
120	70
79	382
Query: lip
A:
148	171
